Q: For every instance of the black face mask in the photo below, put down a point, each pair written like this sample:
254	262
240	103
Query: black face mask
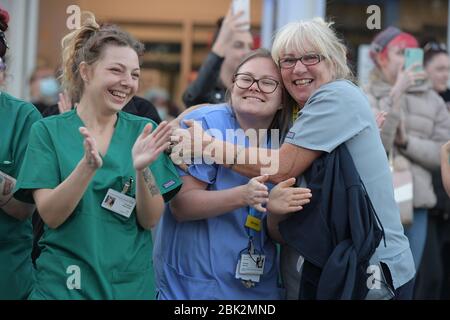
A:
3	44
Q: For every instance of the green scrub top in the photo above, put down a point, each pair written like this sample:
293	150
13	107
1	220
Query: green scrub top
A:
16	237
95	253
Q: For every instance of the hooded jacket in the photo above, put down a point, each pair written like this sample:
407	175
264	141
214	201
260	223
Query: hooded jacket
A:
427	126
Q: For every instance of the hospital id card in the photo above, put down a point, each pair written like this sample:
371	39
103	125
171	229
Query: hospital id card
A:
252	264
247	278
119	203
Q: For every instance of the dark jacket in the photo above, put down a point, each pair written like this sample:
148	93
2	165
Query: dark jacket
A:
207	87
137	106
337	233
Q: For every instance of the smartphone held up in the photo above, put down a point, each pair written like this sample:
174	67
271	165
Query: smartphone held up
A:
244	7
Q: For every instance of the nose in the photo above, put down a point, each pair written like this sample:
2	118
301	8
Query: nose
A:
127	80
254	87
299	67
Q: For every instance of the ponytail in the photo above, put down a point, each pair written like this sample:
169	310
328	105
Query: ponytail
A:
86	45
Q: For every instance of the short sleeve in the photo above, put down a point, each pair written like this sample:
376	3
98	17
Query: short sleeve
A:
332	116
40	168
166	175
20	138
206	173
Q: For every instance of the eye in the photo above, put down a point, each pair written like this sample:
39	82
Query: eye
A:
238	45
309	57
135	76
115	70
267	82
246	79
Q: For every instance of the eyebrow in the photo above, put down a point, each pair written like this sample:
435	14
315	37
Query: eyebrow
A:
262	77
125	67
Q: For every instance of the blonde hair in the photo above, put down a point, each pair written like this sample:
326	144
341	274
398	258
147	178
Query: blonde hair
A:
321	37
86	45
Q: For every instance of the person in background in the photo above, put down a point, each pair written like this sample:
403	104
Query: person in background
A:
433	278
160	99
44	88
16	119
437	66
417	122
138	106
231	42
2	71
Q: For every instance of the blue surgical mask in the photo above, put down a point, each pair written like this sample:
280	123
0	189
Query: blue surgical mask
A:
49	88
162	112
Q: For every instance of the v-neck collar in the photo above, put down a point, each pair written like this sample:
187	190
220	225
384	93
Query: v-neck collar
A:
117	125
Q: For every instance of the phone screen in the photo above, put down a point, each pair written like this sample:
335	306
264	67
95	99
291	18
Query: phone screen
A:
414	56
242	5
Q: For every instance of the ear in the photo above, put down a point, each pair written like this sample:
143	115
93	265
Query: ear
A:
84	69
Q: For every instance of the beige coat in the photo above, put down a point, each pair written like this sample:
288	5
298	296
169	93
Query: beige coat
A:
427	125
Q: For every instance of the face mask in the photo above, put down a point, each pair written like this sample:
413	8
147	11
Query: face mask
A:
162	112
49	88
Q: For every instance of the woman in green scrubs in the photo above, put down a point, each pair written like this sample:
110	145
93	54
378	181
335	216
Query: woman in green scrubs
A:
16	236
97	176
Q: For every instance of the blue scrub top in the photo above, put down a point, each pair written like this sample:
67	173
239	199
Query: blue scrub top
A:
198	259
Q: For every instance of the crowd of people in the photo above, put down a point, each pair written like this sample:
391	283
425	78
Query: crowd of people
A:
102	198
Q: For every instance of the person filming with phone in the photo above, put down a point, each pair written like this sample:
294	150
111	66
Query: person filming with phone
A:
231	42
417	122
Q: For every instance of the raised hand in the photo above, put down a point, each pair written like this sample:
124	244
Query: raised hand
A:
231	23
91	154
256	193
149	145
284	198
185	140
64	102
408	78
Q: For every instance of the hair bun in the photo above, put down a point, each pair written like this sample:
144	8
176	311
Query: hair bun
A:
4	19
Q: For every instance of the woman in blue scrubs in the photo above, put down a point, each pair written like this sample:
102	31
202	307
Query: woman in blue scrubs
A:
212	242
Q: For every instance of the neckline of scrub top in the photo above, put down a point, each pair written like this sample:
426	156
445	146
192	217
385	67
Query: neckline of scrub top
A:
113	137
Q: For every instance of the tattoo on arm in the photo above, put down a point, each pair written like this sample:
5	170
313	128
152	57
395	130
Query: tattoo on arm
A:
150	182
7	184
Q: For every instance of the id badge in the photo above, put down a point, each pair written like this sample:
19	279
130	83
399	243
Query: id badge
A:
252	264
247	279
119	203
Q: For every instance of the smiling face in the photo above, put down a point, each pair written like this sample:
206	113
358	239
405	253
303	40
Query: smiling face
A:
438	69
113	80
302	81
252	101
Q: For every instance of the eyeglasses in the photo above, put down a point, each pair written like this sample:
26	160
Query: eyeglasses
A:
307	60
434	46
266	85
